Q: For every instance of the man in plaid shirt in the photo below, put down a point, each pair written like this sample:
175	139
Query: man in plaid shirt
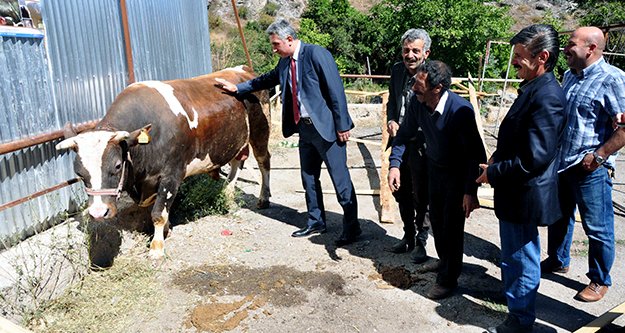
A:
595	93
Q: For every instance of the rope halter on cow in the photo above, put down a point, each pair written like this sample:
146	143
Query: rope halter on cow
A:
111	191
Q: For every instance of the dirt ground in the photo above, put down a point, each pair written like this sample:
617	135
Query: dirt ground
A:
245	273
260	279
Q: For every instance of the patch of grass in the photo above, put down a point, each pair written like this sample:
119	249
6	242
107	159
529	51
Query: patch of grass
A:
108	300
495	306
199	196
579	248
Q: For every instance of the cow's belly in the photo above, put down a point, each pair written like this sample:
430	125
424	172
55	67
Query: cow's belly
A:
197	166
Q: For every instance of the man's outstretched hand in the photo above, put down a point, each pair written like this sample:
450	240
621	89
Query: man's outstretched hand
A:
226	85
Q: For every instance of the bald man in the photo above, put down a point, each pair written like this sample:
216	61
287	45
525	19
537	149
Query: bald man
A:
595	100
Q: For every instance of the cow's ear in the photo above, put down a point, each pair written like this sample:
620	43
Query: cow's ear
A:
67	144
69	130
119	136
140	136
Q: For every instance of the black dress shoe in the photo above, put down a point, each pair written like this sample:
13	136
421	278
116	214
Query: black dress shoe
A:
309	230
402	246
550	265
419	255
348	239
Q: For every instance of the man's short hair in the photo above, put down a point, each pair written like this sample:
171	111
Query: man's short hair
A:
437	73
538	37
281	28
414	34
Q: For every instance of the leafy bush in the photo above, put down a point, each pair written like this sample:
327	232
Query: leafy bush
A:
271	8
244	12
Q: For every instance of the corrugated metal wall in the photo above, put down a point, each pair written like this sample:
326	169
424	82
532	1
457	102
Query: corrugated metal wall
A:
169	39
74	74
26	109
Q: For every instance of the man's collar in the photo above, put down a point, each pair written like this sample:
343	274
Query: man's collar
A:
440	107
584	72
526	84
297	48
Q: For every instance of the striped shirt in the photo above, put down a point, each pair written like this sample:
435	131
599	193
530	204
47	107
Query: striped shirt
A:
594	97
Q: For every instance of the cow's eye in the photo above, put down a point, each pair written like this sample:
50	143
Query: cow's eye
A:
118	165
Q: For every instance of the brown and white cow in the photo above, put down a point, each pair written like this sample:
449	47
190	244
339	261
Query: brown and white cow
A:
156	133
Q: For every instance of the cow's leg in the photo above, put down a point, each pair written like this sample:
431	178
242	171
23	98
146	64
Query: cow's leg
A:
259	140
233	175
160	216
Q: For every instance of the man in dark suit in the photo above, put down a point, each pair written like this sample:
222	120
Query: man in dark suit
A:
454	150
412	197
314	105
523	171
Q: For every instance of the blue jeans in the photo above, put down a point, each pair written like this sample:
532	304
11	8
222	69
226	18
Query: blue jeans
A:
520	268
592	192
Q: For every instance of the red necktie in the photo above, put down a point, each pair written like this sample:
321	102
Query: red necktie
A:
294	91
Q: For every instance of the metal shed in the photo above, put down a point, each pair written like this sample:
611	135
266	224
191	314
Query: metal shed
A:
71	71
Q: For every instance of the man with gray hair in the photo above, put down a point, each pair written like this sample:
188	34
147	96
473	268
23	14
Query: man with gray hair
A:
412	197
313	105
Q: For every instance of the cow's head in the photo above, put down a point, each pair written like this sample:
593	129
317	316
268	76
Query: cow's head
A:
102	161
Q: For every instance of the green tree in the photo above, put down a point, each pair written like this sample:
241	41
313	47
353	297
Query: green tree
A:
347	28
459	30
602	13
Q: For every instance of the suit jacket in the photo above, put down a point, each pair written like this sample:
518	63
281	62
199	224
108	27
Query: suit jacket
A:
320	88
399	79
524	170
452	140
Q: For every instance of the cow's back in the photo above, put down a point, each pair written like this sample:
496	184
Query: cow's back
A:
192	120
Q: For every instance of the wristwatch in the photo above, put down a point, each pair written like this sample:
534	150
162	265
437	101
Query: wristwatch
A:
598	158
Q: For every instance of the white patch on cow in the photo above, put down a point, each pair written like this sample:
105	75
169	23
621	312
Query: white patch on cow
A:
91	147
176	108
157	247
237	69
197	166
169	195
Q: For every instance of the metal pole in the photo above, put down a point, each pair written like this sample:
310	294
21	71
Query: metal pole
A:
247	53
486	57
503	92
38	194
128	50
12	146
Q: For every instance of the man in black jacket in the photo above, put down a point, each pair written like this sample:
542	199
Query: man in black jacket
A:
523	171
454	150
412	197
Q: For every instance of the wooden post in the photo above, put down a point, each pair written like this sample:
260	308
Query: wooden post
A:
386	215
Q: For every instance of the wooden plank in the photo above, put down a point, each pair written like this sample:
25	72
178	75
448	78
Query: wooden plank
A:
374	191
603	320
386	197
367	142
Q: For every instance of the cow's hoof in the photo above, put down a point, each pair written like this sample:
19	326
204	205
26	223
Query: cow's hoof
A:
157	250
262	204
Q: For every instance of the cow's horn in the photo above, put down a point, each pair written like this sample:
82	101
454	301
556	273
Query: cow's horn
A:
120	135
66	144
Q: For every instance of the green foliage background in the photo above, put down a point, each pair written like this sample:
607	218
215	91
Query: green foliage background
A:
360	41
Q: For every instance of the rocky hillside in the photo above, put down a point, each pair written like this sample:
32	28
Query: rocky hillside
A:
524	12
